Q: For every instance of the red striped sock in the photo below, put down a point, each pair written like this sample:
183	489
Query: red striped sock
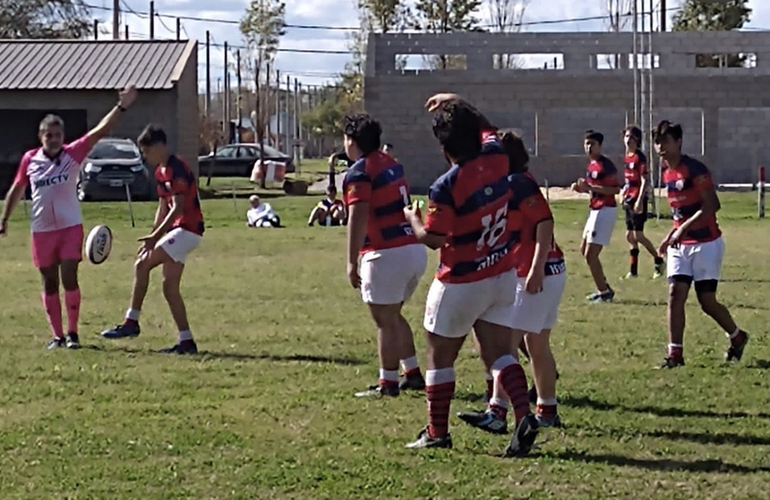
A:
514	381
499	408
440	390
415	372
546	411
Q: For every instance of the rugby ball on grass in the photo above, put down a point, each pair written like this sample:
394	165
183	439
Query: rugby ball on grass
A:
99	244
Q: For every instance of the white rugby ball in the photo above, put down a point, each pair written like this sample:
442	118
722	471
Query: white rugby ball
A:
99	244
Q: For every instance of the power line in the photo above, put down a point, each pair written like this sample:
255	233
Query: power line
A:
356	28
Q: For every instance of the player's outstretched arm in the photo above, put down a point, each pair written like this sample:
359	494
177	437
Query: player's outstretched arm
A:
126	98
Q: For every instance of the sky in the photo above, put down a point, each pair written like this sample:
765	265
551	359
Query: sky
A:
317	69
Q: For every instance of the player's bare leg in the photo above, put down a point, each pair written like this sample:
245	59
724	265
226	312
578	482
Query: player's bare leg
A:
544	368
52	304
642	239
389	342
707	298
439	390
69	280
678	290
316	215
172	278
591	254
145	263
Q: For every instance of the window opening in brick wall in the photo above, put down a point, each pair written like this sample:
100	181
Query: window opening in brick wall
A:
528	61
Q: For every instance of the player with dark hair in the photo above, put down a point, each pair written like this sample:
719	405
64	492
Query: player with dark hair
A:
635	201
601	182
177	231
694	244
391	260
475	286
541	281
52	171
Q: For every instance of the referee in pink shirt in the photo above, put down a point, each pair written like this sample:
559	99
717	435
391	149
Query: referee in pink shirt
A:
52	172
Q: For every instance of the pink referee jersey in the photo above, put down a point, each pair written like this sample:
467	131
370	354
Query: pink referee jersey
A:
54	183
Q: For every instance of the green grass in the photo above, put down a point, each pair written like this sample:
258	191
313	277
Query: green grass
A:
267	411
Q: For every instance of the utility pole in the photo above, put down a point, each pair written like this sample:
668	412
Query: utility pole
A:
643	75
226	98
178	28
635	13
267	103
278	109
152	20
126	32
238	92
289	124
208	75
115	19
663	15
96	29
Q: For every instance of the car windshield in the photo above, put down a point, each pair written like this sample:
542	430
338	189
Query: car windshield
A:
273	152
114	151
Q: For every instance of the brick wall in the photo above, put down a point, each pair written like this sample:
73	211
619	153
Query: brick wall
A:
722	110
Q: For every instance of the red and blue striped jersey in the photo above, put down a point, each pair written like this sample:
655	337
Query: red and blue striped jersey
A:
469	205
635	170
685	184
377	179
602	173
528	208
175	178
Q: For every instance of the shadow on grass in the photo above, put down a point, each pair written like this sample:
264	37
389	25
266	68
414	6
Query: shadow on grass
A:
664	464
760	364
587	402
745	280
709	438
237	356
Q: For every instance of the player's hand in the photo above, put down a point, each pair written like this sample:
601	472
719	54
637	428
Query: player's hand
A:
355	279
127	96
581	186
412	212
148	243
534	283
437	100
663	248
638	208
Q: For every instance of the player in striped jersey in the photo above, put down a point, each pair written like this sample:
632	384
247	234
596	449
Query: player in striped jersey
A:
391	260
541	281
694	244
635	201
475	286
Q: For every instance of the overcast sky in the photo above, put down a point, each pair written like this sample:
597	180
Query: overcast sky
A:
314	69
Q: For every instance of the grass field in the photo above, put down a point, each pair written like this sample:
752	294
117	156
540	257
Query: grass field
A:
267	410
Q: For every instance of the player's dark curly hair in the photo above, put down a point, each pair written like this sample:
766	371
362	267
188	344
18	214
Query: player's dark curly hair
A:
592	135
458	128
635	132
151	135
364	130
666	128
518	157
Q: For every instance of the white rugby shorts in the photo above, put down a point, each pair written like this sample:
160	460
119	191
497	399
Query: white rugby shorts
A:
178	243
390	276
599	226
452	308
700	261
534	313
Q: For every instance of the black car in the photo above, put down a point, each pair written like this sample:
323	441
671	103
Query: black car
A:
109	167
237	160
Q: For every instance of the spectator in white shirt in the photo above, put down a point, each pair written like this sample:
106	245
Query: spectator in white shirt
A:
261	214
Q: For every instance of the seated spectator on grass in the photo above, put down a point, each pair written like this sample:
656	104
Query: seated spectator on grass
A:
261	214
330	211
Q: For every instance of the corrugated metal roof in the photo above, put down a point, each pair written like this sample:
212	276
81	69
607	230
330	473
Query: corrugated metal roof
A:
92	65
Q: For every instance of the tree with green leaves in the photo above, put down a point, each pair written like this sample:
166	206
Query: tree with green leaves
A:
696	15
262	28
445	16
44	19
